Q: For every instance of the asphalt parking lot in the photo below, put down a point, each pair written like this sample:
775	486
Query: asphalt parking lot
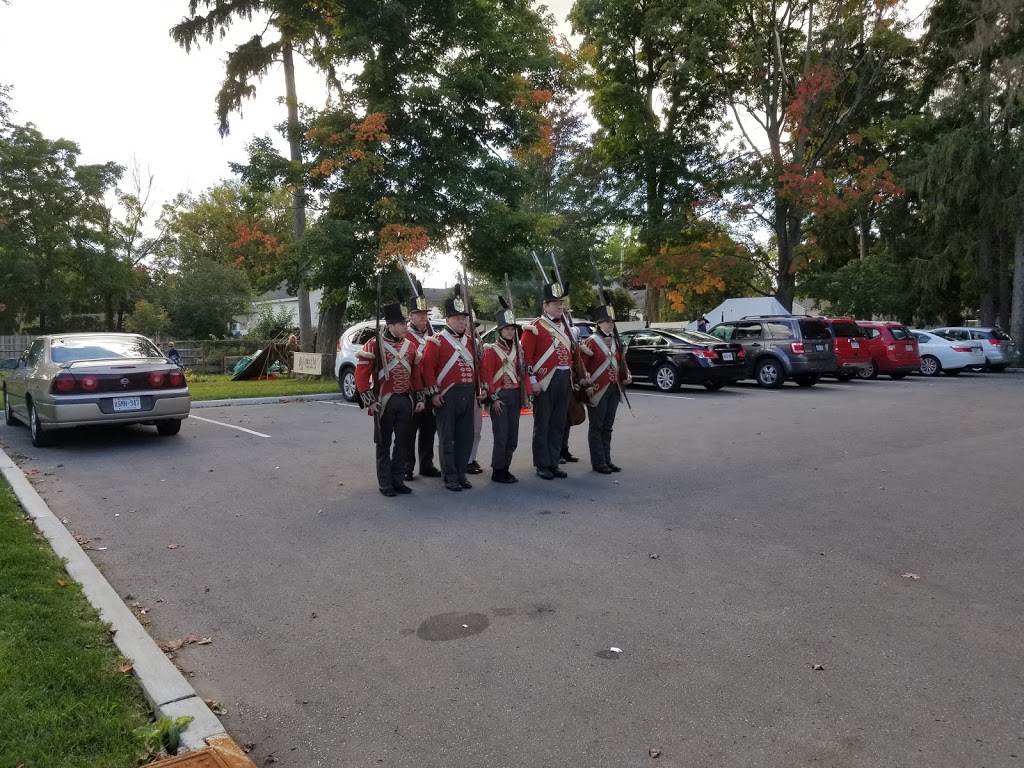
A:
474	629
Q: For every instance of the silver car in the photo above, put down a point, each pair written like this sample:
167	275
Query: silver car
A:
1000	351
77	379
352	340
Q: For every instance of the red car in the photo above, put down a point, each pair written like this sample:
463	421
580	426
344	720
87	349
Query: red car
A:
851	347
894	349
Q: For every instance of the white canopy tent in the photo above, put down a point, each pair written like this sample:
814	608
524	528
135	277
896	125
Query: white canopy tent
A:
734	309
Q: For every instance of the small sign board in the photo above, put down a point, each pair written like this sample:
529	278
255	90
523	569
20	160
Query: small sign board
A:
308	363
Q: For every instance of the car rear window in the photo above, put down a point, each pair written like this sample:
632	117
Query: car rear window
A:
846	329
999	333
900	333
814	329
695	337
780	329
69	350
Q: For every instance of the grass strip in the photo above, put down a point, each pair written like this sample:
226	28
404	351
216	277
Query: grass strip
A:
63	701
220	387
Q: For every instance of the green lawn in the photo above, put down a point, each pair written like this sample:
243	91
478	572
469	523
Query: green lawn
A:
62	700
220	387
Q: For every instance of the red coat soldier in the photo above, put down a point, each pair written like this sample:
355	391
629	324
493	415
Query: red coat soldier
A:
606	369
386	380
500	374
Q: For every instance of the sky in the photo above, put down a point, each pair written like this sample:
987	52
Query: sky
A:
106	74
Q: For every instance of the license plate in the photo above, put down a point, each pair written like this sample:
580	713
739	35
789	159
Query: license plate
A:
127	404
910	347
855	344
819	347
727	355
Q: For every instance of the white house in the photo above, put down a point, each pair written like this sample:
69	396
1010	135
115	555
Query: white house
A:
280	299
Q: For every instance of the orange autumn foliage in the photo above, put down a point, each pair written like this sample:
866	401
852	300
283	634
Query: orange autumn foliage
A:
402	240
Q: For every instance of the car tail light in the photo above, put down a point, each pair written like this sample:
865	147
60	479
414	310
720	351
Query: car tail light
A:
741	352
961	349
705	353
176	379
797	347
89	383
996	342
64	383
156	379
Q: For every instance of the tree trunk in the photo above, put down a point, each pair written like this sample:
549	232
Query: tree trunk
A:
652	302
328	332
787	235
1017	314
299	195
865	236
986	297
1005	257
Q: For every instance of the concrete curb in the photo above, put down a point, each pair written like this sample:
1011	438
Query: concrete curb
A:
163	685
265	400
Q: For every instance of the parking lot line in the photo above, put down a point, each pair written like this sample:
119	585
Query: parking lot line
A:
657	394
222	424
337	402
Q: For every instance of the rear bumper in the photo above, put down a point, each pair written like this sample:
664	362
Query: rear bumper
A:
84	410
821	365
854	365
890	367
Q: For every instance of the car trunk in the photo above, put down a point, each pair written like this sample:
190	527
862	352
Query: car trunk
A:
817	340
851	343
903	350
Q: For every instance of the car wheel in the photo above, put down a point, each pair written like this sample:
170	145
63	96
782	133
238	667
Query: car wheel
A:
713	386
846	375
769	374
40	439
168	427
665	378
807	379
347	384
9	412
930	365
871	372
997	368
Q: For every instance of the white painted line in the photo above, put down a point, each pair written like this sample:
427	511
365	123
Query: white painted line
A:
655	394
222	424
337	402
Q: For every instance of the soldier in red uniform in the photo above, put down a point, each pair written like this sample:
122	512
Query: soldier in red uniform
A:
391	374
424	424
606	369
448	375
500	375
547	345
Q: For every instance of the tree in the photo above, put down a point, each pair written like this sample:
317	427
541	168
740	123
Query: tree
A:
148	319
202	298
656	101
800	79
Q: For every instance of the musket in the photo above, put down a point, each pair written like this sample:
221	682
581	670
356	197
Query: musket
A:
615	334
416	292
472	325
524	391
577	358
378	356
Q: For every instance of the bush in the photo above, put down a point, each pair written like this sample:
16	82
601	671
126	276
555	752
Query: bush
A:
272	325
147	319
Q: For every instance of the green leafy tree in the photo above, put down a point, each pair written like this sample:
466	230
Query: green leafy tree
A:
271	323
202	298
148	319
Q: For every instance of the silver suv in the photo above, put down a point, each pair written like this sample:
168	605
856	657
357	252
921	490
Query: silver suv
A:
352	340
1000	351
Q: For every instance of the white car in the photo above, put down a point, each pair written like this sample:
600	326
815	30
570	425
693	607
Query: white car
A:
352	340
943	354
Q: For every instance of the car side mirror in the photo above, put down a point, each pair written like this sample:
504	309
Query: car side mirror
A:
9	363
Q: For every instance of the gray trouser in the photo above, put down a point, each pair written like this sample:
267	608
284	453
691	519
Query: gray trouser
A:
395	422
478	428
424	429
505	428
455	431
601	418
550	409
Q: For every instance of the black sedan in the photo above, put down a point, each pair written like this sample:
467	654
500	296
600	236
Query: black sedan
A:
670	358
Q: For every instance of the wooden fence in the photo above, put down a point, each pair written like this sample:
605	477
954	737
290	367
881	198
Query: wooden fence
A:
13	346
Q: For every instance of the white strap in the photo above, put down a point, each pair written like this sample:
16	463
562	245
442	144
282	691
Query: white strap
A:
508	366
400	357
460	350
557	332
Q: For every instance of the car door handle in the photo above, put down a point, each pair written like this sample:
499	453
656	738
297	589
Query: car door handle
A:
755	344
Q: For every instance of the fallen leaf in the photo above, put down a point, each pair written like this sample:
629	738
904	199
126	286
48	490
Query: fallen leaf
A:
248	747
909	575
216	707
655	753
205	641
819	667
61	583
173	546
654	556
171	646
125	668
190	639
613	649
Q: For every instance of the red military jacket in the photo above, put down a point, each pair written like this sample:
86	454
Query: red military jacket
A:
447	361
397	375
547	346
606	365
499	368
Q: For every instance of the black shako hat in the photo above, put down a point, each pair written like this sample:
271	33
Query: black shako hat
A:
417	301
455	304
504	317
604	312
555	290
395	313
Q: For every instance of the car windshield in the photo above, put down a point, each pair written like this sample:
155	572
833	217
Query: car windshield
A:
900	333
847	329
694	337
814	329
74	348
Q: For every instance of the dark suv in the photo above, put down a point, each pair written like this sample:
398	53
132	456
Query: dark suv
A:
781	347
